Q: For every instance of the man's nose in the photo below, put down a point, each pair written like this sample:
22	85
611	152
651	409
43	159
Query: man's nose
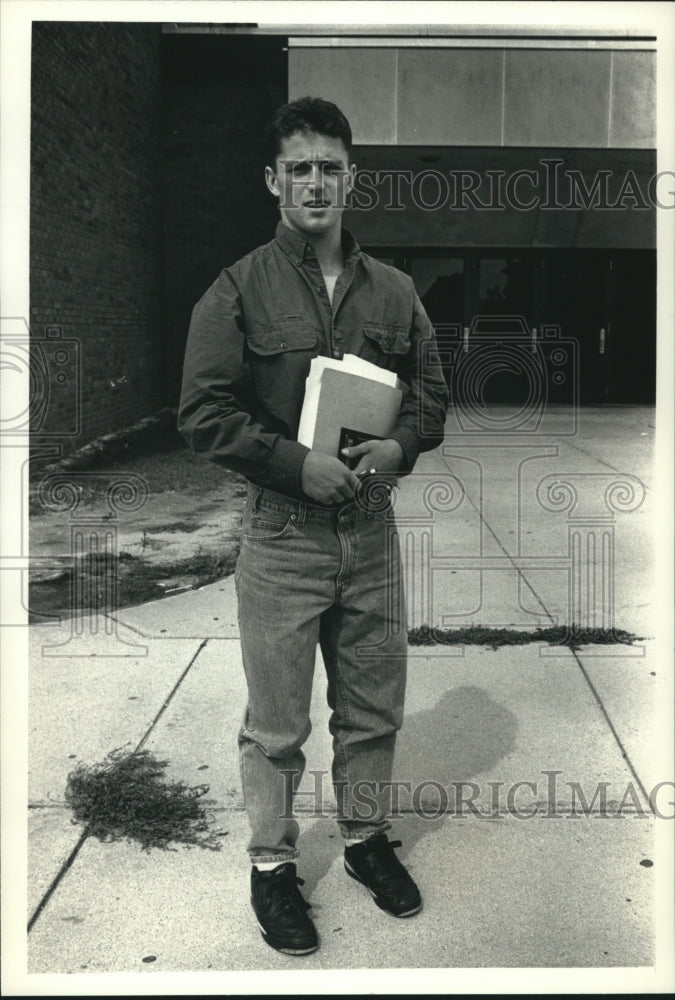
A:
316	179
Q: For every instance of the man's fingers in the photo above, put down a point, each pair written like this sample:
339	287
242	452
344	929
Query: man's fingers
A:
365	465
327	479
359	449
347	490
349	486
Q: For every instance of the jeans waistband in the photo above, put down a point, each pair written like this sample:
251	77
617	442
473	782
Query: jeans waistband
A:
261	496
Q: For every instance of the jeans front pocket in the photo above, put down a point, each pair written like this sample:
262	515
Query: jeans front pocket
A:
267	524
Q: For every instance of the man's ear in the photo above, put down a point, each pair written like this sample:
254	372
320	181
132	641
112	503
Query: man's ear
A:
272	182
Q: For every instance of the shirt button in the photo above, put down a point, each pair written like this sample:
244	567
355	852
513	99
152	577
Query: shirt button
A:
283	345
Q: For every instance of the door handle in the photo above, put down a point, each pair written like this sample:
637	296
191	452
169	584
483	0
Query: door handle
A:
466	340
534	340
601	346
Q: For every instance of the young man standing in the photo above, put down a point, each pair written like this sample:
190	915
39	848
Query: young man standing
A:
318	563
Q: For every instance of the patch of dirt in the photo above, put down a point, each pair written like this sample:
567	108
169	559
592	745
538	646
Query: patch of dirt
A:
89	552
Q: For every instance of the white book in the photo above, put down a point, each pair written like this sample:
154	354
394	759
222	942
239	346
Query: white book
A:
350	393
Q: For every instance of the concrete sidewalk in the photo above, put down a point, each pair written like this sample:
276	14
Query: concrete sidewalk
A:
508	531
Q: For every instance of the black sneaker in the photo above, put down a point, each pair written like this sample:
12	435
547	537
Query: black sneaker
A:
374	864
281	911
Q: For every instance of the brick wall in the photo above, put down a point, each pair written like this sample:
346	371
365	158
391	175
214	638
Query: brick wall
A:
96	253
219	92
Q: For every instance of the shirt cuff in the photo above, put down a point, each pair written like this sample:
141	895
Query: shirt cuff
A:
407	438
285	472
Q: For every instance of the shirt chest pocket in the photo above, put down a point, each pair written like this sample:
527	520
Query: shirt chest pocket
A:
285	336
280	355
385	344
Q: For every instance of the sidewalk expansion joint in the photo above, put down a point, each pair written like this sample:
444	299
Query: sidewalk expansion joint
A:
57	880
622	748
168	700
113	616
520	573
600	461
145	634
603	710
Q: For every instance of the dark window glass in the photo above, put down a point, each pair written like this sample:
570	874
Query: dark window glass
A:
505	287
440	285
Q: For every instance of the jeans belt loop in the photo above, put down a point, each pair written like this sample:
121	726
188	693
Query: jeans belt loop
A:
302	513
255	499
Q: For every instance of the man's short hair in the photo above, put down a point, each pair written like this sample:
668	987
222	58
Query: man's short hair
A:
307	114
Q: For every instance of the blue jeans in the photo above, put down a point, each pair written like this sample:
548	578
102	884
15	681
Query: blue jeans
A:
305	575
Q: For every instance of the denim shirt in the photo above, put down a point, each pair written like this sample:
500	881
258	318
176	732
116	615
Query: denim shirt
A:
253	335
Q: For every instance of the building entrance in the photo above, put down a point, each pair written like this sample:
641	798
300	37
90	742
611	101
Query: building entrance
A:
582	321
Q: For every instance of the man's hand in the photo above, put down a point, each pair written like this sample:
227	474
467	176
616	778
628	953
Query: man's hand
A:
327	479
383	456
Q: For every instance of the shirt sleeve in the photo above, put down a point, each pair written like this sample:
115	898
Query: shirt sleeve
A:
421	422
217	403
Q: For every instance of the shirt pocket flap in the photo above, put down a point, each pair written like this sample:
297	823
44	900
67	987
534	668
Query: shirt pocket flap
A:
286	335
390	339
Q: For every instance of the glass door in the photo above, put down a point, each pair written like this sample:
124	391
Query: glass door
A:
581	324
631	334
577	301
441	285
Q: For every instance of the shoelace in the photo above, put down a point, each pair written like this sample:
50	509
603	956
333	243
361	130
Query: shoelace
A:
383	861
283	895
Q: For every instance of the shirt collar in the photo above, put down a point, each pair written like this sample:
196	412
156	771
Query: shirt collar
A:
297	247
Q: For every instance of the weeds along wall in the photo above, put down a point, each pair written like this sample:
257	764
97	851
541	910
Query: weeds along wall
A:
96	226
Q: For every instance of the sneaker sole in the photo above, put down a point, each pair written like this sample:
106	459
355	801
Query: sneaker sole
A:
382	906
278	946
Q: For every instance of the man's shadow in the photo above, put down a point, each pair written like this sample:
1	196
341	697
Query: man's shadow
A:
465	734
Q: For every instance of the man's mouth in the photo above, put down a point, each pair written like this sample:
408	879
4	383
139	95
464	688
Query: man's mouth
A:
317	204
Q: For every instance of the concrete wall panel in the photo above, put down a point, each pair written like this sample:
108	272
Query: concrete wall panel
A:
362	82
633	103
485	97
556	98
451	96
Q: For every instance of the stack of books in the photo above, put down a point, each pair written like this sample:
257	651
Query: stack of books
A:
347	402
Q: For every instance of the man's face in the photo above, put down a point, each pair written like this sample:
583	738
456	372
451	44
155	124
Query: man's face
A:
312	178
